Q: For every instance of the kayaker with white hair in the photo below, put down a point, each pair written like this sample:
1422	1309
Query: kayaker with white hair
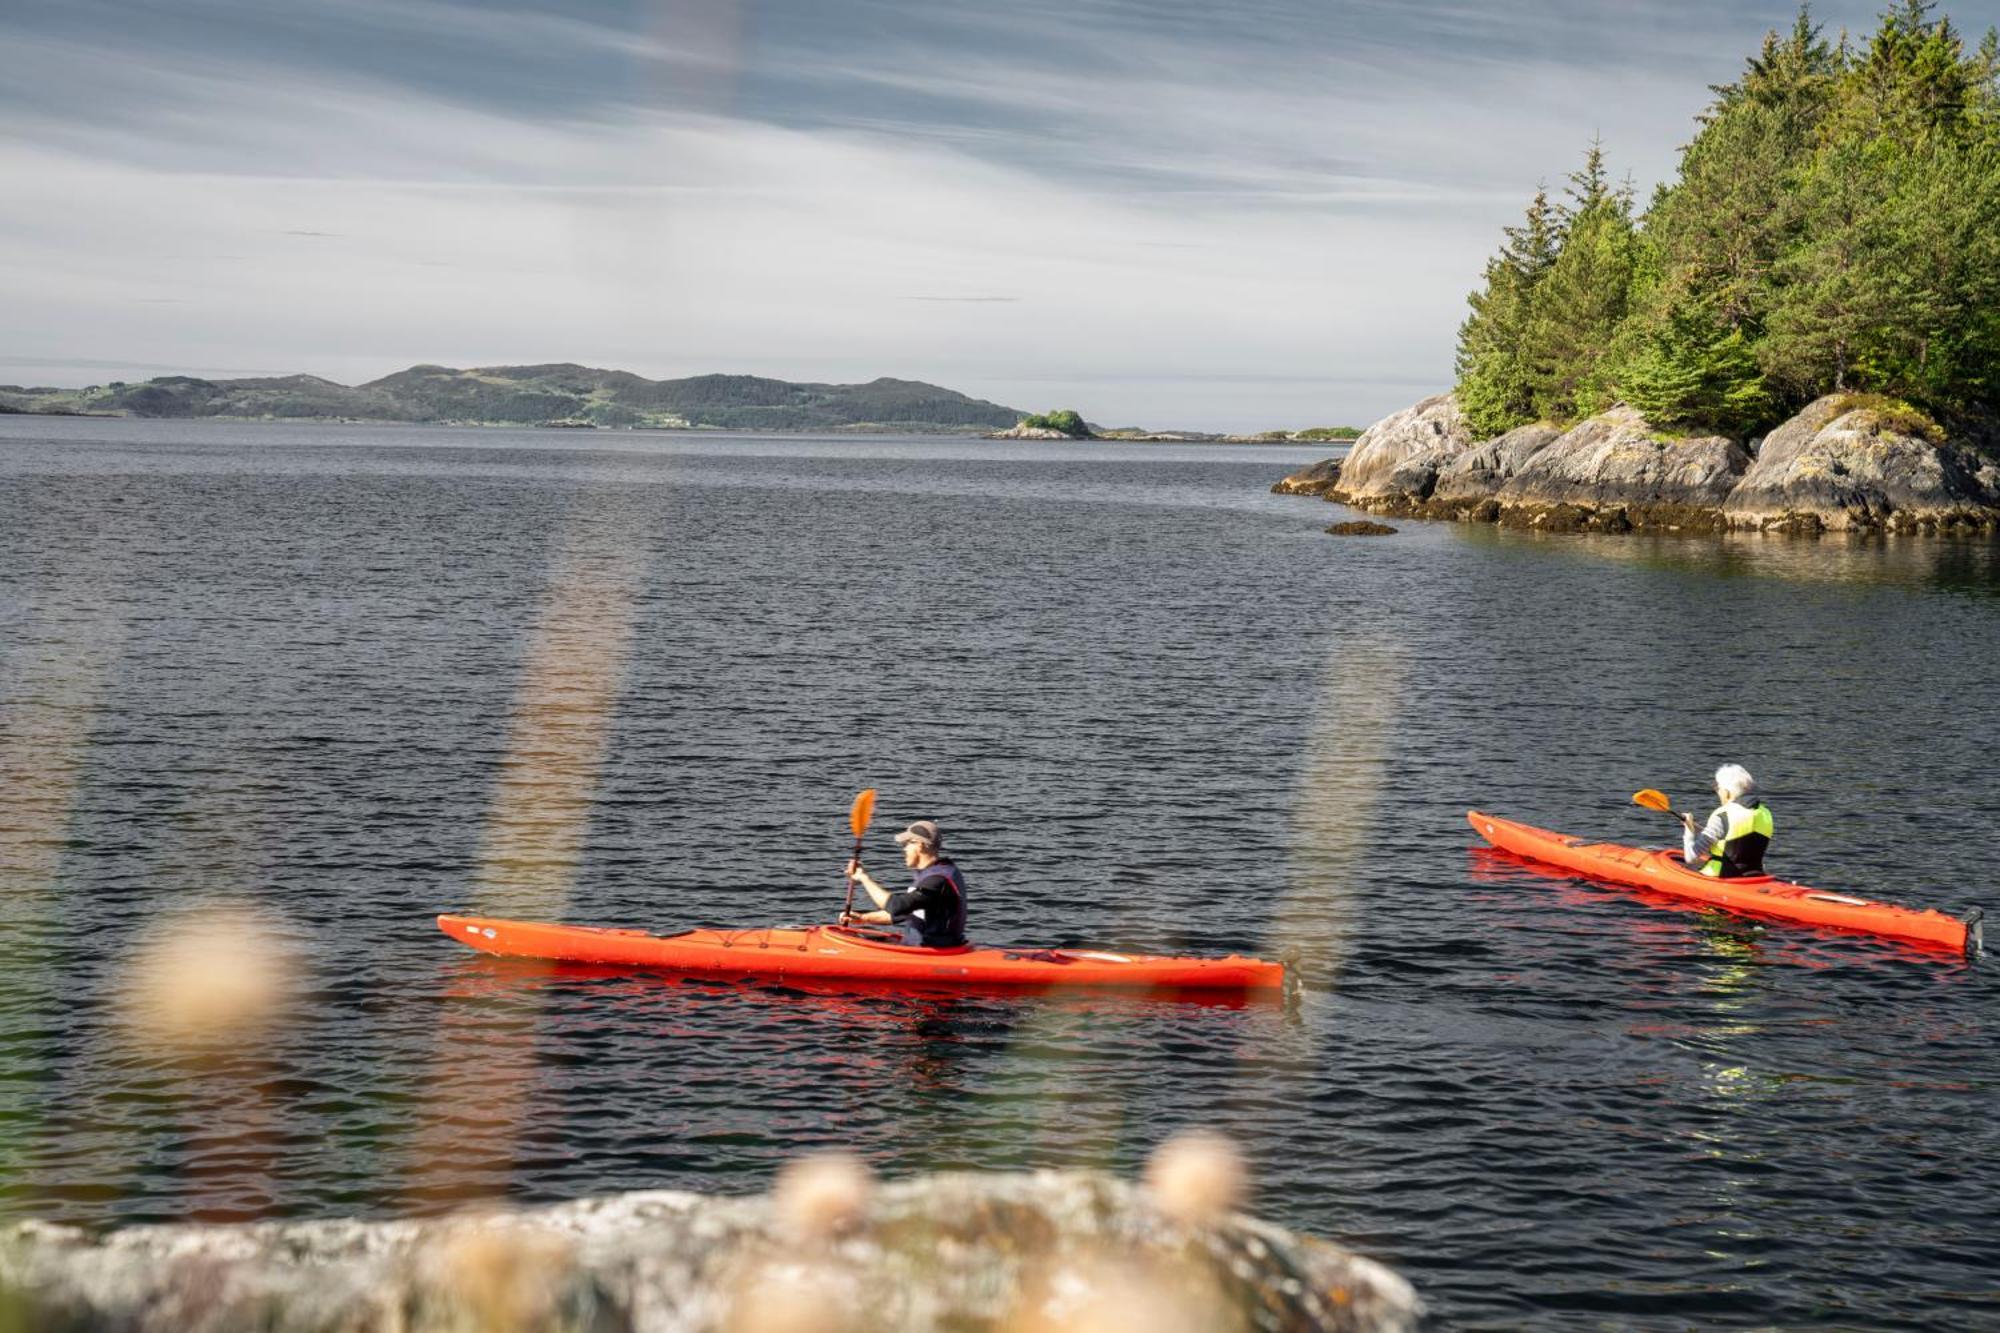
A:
1733	842
931	911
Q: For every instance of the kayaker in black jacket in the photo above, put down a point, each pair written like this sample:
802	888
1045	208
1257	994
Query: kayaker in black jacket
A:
932	910
1732	843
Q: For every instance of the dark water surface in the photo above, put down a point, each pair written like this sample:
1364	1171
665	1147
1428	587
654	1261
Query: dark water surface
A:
360	676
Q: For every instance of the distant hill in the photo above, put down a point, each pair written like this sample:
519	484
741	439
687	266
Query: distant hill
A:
538	395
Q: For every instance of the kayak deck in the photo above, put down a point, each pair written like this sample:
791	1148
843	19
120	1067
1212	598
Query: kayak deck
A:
1757	895
849	954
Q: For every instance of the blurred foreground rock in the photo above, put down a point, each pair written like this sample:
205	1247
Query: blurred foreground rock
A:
1040	1253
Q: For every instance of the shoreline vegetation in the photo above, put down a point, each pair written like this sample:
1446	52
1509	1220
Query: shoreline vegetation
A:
1800	333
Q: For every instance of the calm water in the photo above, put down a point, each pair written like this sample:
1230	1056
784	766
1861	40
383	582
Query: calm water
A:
361	676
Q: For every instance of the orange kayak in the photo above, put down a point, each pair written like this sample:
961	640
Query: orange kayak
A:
856	955
1757	895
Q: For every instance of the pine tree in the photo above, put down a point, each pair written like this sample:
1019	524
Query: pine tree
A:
1835	225
1577	306
1696	371
1493	388
1687	355
1891	285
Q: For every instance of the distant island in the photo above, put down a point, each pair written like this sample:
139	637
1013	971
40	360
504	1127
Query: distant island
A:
545	395
1068	424
570	396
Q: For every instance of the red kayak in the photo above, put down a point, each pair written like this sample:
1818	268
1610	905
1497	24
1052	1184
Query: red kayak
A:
1757	895
856	954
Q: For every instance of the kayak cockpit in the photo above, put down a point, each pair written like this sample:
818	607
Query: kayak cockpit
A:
888	942
1670	860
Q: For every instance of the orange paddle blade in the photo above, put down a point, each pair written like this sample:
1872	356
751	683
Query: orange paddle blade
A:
1653	800
863	811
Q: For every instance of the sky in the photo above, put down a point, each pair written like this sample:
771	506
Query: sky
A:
1248	215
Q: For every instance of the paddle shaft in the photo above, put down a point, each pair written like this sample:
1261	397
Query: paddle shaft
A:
850	880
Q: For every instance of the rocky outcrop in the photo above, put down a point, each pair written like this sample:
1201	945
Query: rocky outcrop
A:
1361	527
960	1251
1846	463
1480	471
1023	431
1616	473
1853	463
1394	466
1316	480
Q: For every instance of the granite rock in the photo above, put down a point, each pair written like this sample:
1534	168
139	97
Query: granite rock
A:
1481	470
1023	431
1614	472
1394	465
1853	463
1318	479
966	1251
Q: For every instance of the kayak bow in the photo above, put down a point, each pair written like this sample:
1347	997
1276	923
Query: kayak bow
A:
1757	895
855	955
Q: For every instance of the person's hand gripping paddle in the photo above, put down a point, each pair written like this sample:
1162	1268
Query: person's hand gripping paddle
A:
857	819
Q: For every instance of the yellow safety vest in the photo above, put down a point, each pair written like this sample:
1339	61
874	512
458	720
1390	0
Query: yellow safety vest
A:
1741	851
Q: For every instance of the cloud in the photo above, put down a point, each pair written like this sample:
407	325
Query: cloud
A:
1223	216
811	281
10	361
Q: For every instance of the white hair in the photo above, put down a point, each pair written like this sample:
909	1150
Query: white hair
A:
1734	782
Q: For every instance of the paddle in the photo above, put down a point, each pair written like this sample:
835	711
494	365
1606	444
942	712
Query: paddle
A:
1657	800
857	819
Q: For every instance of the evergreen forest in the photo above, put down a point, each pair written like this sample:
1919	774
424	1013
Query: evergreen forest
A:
1834	227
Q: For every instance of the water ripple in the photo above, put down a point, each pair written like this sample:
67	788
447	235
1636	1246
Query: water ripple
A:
316	670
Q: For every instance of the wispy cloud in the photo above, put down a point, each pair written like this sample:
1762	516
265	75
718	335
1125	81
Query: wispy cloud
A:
10	361
1246	215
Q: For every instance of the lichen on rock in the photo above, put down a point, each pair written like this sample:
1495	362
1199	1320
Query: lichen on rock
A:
1616	461
1854	463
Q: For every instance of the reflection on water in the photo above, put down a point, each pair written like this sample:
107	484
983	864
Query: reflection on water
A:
1968	565
561	723
1333	821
